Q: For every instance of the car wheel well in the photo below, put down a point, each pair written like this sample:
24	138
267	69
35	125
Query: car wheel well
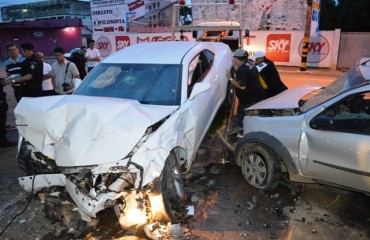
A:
275	145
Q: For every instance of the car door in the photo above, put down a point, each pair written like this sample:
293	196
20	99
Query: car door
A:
203	105
336	143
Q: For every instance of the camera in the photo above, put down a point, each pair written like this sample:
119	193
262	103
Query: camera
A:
66	87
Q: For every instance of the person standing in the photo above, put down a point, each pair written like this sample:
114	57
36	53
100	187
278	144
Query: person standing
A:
248	88
31	74
47	85
13	65
92	56
4	142
79	60
269	74
62	73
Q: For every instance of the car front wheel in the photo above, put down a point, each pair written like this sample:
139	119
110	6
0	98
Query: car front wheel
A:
260	166
172	185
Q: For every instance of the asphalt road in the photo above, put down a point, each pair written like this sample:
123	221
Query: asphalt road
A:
225	206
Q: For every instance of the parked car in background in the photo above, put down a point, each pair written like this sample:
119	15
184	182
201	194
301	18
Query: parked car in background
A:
69	54
311	134
127	133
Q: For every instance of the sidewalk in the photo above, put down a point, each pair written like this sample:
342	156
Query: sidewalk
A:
312	71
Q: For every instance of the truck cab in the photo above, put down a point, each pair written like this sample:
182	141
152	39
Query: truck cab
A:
223	33
212	28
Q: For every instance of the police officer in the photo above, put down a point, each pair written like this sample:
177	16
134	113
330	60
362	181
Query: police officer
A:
248	88
31	73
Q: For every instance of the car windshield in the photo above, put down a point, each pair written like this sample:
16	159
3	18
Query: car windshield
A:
348	81
156	84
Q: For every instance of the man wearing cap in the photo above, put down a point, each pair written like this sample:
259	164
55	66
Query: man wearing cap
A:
31	74
269	73
248	88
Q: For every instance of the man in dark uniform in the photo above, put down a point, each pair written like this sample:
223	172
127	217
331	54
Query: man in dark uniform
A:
79	60
248	88
31	74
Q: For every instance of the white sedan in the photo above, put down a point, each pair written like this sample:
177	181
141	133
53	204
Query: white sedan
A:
128	131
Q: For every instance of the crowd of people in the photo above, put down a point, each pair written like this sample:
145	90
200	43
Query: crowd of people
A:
30	76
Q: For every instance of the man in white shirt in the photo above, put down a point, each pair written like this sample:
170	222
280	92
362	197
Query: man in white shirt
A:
47	85
92	56
62	73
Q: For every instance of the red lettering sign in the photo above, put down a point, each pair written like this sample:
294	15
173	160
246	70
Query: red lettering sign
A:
104	46
318	49
278	47
122	42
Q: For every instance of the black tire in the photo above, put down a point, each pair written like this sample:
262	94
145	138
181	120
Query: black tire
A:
172	185
260	165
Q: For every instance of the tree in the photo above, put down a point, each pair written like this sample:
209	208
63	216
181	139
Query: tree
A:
328	12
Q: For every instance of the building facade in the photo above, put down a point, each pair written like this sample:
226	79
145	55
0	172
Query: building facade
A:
45	35
55	10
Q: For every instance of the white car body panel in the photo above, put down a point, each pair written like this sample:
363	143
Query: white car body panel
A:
286	99
82	130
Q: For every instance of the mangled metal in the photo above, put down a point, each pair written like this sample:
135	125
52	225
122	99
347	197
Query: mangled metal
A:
124	153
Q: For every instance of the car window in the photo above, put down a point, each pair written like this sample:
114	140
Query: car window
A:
199	68
158	84
351	115
348	81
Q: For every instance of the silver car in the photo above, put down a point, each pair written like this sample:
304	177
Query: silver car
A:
311	134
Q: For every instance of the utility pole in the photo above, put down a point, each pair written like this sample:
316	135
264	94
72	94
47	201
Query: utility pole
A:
306	38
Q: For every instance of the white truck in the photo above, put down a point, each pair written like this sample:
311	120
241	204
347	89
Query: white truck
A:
212	30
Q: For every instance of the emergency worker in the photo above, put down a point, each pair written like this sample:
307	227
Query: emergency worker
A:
31	74
269	74
248	88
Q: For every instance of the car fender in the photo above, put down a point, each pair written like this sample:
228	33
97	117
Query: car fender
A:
274	144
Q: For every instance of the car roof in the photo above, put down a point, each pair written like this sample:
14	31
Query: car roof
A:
166	52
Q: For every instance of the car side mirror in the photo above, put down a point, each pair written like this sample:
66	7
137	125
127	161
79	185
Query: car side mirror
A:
76	82
198	89
321	122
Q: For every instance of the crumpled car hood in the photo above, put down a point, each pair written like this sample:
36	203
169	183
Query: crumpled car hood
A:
81	130
288	99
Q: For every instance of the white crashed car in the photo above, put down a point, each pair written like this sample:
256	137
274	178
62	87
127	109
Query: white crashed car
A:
312	134
127	133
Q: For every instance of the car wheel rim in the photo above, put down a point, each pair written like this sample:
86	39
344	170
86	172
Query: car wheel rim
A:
254	169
